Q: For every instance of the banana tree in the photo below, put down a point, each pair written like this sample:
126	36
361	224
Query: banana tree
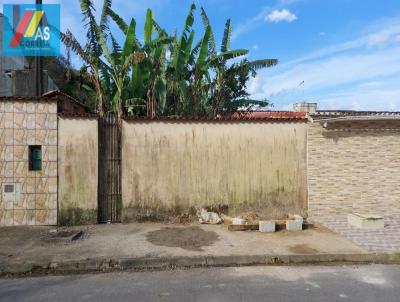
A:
178	69
164	75
120	62
189	69
147	84
91	53
229	85
156	65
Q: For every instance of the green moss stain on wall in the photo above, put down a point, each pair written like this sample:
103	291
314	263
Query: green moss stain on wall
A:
77	216
169	166
77	171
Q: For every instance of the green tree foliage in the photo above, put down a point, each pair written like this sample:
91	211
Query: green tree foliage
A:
69	80
165	75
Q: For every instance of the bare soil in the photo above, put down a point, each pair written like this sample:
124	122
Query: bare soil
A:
188	238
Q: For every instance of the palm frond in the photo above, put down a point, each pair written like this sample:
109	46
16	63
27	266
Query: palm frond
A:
206	23
194	53
180	48
159	29
189	20
148	27
116	48
203	54
71	42
87	9
227	36
227	55
104	15
118	20
188	48
115	45
106	51
130	39
265	63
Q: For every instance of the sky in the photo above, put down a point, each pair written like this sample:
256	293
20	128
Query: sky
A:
341	54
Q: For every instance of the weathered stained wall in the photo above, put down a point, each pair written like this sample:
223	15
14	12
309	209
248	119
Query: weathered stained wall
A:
354	167
78	162
170	167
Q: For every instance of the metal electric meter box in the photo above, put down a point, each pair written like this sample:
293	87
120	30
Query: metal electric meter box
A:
11	192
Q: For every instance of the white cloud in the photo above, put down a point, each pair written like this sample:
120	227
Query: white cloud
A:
376	100
252	22
254	85
387	33
332	72
371	84
366	70
283	15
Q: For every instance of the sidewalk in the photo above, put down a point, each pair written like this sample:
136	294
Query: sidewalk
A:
147	246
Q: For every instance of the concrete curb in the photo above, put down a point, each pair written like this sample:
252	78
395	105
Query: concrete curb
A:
165	263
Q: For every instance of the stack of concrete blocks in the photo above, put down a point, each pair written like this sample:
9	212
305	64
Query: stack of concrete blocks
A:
296	224
267	226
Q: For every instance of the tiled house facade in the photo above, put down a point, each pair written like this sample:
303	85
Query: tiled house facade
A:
24	124
29	196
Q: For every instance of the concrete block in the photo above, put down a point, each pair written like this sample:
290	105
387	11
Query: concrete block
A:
366	221
267	226
294	225
238	221
298	218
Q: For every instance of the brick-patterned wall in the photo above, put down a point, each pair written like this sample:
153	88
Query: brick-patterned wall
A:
354	167
22	124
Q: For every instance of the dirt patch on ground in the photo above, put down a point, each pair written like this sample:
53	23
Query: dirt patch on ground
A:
302	249
188	238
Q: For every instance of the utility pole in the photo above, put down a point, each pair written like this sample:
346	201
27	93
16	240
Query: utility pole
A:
38	69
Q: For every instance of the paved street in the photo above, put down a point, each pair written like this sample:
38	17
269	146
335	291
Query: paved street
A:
372	283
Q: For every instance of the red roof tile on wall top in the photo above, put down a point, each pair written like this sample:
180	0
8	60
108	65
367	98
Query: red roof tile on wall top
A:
240	116
27	99
55	93
254	115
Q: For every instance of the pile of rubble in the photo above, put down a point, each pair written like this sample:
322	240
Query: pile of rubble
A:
253	222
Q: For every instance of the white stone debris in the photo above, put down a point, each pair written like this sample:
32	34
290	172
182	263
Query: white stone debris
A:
209	217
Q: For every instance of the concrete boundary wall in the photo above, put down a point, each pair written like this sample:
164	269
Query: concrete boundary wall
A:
170	168
77	166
